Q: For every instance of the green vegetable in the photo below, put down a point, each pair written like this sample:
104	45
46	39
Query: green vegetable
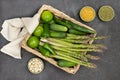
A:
63	49
82	37
71	50
57	27
64	63
59	21
98	38
80	28
73	54
48	46
33	42
67	44
57	34
46	31
73	31
92	57
44	51
38	31
81	55
46	16
71	59
75	41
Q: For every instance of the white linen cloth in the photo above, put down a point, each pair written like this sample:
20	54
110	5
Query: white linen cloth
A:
14	30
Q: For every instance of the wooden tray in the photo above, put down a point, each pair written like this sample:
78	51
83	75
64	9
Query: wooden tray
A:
50	60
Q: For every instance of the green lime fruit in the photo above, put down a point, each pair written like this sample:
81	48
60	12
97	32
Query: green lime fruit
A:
38	31
106	13
46	16
33	42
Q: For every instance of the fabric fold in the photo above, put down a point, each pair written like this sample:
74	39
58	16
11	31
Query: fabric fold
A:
31	23
13	48
14	30
10	29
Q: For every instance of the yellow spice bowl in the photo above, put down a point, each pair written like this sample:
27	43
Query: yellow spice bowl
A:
87	14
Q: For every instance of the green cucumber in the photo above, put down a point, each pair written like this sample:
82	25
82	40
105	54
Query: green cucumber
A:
57	27
61	22
64	63
80	28
58	34
73	31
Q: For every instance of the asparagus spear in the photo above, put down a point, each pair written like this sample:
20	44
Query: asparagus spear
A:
77	56
72	36
63	49
75	41
68	58
80	55
92	57
67	44
97	38
71	50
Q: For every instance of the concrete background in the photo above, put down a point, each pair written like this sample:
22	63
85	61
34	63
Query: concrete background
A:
109	64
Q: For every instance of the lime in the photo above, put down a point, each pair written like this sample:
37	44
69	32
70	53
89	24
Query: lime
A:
46	16
106	13
38	31
87	14
33	42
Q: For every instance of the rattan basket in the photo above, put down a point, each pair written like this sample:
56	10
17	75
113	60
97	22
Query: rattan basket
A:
50	60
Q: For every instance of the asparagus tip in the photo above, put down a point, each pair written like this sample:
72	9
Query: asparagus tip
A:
101	46
95	58
104	47
100	37
92	57
92	65
99	50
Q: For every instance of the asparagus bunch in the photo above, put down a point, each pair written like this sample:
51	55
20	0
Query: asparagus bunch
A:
69	57
67	49
64	44
74	60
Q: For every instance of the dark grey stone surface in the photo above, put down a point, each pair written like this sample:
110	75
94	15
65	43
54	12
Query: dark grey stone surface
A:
109	64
